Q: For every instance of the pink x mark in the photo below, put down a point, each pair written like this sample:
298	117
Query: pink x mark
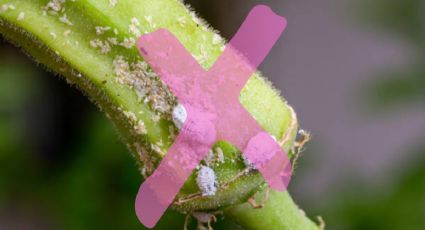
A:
211	99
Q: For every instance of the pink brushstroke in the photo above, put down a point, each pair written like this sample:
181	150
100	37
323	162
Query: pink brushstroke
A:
211	99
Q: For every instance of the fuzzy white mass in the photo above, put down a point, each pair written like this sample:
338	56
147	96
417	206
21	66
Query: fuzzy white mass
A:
179	115
206	181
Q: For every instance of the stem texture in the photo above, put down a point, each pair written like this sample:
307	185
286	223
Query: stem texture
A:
92	44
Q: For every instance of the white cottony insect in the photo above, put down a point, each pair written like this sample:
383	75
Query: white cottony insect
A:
206	181
209	158
64	19
179	115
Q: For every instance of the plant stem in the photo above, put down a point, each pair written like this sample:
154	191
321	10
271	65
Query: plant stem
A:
91	44
280	212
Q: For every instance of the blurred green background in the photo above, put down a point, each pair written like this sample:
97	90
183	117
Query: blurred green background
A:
62	165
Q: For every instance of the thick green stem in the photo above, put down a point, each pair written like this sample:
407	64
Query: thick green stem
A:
91	44
280	212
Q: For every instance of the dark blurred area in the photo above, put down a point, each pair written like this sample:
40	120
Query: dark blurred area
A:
353	70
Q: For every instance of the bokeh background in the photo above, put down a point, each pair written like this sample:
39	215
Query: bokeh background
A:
353	69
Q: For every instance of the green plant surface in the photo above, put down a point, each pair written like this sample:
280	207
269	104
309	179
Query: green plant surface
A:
91	44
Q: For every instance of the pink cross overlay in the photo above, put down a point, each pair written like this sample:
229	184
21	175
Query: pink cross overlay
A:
211	99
